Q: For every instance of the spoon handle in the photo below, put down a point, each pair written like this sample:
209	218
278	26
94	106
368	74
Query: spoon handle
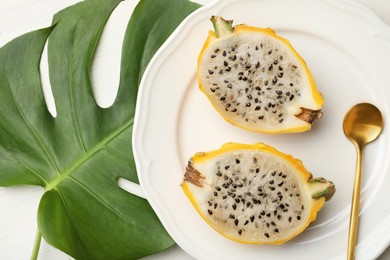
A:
354	219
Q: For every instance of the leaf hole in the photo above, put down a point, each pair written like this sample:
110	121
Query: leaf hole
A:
45	82
105	68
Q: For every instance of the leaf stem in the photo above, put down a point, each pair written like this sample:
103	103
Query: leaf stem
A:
37	244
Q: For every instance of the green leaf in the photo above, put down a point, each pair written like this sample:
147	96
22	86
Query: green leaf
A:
79	155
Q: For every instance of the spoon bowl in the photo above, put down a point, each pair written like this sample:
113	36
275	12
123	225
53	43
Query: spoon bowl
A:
362	124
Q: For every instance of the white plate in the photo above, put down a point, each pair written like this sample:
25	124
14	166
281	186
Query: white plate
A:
347	49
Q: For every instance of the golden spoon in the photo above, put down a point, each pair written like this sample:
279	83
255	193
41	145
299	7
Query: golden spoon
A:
362	124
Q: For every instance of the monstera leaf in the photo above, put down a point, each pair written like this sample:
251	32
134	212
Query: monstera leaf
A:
78	156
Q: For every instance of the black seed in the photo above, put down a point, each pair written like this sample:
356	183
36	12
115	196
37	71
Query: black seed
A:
266	234
217	188
210	204
261	117
211	72
224	53
272	188
270	67
236	222
271	182
274	80
294	66
269	52
216	50
239	232
237	200
281	206
291	97
244	78
289	219
234	57
276	230
239	78
267	224
280	115
225	177
234	110
256	48
225	63
237	161
212	90
215	193
248	104
297	195
232	216
233	48
229	85
210	212
273	224
227	167
234	206
268	215
262	212
279	217
228	69
257	65
248	204
248	66
280	183
299	217
249	96
224	197
222	98
273	173
284	176
280	197
246	222
215	205
302	207
212	56
219	174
